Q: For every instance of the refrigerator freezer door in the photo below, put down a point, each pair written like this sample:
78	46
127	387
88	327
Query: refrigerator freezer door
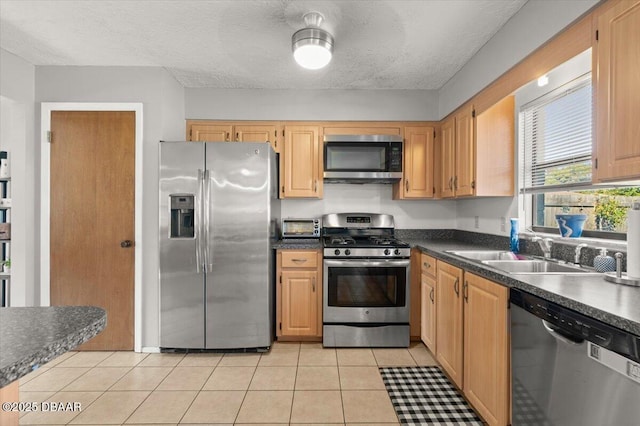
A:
238	285
182	310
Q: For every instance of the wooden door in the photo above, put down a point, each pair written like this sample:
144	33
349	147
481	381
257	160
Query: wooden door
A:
428	317
464	179
447	157
92	217
302	162
256	133
486	348
449	320
617	97
418	163
299	302
210	132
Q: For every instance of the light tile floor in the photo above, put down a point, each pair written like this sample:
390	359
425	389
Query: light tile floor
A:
292	384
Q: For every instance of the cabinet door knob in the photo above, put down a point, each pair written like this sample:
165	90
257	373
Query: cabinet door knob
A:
456	286
407	184
426	265
313	284
126	243
431	295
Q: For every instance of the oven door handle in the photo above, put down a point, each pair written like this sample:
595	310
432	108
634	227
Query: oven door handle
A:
363	263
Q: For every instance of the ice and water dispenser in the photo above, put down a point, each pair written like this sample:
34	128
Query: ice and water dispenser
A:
182	216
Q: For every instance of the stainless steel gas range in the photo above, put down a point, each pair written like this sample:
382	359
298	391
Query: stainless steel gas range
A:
366	282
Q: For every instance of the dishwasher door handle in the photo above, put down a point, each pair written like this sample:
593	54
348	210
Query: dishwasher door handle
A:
562	336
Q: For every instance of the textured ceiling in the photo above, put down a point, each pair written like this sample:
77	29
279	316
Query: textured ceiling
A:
247	44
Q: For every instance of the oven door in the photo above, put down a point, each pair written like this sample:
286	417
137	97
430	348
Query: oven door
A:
366	291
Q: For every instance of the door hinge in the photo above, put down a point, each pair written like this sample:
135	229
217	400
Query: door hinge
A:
473	184
473	113
49	136
597	35
596	163
283	189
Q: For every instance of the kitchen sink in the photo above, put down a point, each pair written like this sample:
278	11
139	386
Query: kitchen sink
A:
485	254
535	267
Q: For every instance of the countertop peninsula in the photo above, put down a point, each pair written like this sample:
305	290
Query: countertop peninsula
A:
33	336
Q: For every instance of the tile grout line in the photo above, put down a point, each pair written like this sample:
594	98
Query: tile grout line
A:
201	387
151	392
235	419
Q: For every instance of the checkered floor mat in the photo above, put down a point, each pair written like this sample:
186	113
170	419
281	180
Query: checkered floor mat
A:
425	396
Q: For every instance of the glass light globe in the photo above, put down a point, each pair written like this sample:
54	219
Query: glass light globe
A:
312	56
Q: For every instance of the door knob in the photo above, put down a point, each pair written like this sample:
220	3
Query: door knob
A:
126	243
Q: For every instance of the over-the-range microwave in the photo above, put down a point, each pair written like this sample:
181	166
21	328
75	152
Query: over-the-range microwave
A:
362	158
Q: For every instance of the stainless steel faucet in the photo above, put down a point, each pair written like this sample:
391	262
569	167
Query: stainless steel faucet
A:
545	245
579	248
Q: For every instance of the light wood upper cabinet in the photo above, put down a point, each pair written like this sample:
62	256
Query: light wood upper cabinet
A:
477	152
486	348
616	67
302	166
256	133
234	132
362	129
449	326
210	132
299	293
465	165
417	181
495	149
447	157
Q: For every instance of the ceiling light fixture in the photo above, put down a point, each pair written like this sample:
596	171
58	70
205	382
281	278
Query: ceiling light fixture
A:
312	46
543	81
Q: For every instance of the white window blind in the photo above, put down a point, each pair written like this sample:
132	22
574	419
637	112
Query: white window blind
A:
556	130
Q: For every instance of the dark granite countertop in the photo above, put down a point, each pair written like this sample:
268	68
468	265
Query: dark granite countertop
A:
30	337
298	244
613	304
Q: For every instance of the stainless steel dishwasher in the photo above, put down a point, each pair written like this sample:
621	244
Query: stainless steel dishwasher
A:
569	369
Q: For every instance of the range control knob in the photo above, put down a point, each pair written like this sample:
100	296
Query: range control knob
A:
396	252
347	252
337	252
387	252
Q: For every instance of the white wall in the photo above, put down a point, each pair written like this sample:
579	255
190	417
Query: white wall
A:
312	105
17	91
534	24
163	106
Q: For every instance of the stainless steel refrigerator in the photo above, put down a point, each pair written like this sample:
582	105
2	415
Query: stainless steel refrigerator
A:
219	212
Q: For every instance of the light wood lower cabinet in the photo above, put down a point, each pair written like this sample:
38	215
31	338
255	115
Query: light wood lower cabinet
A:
449	324
299	293
486	348
472	339
428	302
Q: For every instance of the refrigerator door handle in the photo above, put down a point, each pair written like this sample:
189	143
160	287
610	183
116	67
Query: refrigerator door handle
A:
207	224
198	219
